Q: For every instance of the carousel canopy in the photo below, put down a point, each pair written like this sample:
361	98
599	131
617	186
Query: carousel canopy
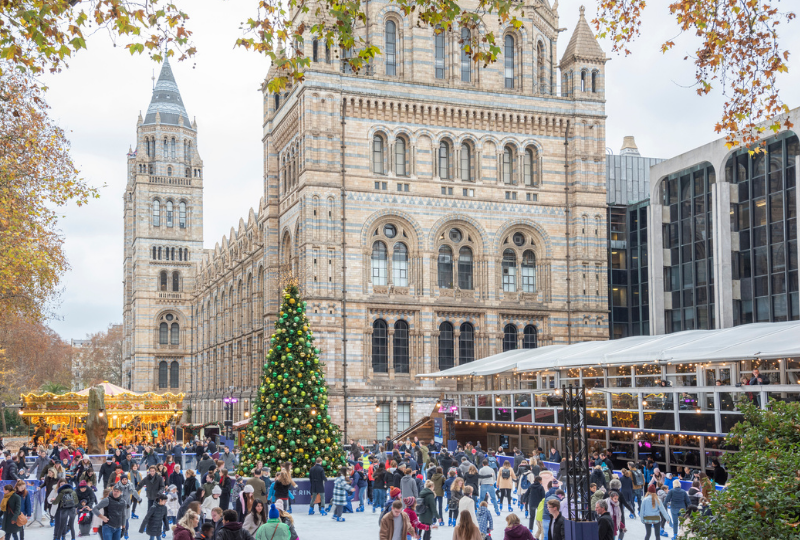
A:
110	390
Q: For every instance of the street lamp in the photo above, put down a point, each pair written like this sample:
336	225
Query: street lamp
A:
229	404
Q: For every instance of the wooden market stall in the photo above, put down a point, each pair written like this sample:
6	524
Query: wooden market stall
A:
132	416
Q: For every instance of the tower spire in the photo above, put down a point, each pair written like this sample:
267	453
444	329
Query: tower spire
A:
166	100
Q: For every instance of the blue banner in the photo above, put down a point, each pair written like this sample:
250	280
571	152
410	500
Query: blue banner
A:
438	430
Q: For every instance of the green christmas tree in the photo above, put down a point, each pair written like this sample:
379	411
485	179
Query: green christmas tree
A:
291	421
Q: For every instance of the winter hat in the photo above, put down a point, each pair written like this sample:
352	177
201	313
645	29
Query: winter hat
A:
216	491
83	483
394	492
651	488
273	513
410	502
172	486
109	458
279	504
419	477
248	489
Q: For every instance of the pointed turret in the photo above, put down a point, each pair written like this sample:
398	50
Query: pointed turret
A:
583	63
166	101
583	44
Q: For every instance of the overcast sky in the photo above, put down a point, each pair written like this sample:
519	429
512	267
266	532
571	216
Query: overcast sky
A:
98	98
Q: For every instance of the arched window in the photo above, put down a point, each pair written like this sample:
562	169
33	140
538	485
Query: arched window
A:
377	154
446	353
327	53
163	281
466	56
400	347
466	163
508	165
159	254
175	334
444	160
174	375
509	338
315	50
439	53
594	82
147	146
169	213
445	267
165	149
163	334
528	272
541	74
509	61
176	281
169	171
156	213
509	271
400	265
154	252
162	375
182	215
391	48
277	100
583	81
528	168
380	347
186	254
465	268
379	273
400	156
466	344
174	148
529	337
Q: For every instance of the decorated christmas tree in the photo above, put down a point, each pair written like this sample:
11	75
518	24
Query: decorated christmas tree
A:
291	421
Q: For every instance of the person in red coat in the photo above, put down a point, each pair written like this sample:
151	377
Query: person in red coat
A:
185	529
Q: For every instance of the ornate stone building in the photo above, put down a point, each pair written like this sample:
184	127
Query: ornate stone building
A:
163	213
435	211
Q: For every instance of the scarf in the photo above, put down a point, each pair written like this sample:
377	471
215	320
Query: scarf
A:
4	504
616	514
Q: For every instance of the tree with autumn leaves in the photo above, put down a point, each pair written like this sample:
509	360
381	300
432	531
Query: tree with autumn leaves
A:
291	420
37	176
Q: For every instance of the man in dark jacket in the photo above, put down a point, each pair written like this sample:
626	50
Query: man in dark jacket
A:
40	465
176	479
317	477
445	461
153	483
535	495
177	454
211	446
113	516
606	529
204	465
85	493
518	457
196	496
555	456
389	444
232	529
677	499
107	471
10	470
556	530
398	475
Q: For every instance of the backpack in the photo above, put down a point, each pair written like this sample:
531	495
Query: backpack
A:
524	483
421	507
638	478
67	500
493	462
505	473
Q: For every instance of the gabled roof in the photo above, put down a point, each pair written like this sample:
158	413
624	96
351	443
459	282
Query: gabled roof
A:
583	43
166	100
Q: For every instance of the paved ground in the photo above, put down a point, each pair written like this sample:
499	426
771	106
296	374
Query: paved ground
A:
359	526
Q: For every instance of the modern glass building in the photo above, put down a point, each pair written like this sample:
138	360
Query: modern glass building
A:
727	252
628	189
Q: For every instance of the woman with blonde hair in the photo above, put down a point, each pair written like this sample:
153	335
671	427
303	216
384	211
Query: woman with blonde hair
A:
466	528
185	529
516	530
456	492
651	513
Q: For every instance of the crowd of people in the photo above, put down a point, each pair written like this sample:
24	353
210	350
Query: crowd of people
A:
414	486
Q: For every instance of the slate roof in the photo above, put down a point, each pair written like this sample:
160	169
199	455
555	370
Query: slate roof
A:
583	43
167	100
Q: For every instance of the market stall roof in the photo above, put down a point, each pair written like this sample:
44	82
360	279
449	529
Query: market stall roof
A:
758	340
241	423
497	363
110	390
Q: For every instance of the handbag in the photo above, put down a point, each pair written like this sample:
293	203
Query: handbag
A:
21	520
652	519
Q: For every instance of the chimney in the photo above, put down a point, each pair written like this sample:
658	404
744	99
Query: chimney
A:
629	147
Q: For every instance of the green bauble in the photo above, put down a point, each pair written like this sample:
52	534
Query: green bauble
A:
297	319
296	421
272	448
261	439
316	350
284	400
